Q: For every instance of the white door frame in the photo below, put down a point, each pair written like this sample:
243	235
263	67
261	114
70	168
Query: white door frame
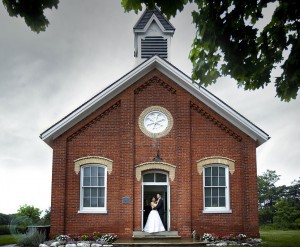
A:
167	184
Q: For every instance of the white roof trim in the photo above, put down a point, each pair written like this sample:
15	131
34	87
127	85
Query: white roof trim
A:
173	73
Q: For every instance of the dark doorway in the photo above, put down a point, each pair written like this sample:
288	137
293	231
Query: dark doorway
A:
149	192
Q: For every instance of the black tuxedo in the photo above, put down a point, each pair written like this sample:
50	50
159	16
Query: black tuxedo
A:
160	208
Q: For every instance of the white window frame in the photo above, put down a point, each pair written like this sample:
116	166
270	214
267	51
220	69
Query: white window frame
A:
99	210
225	209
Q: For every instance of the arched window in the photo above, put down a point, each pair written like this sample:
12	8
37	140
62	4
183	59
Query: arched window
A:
155	177
216	189
93	187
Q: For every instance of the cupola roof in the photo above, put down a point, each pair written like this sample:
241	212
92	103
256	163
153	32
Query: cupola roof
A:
146	16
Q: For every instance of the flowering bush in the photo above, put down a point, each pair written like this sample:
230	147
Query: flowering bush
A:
208	237
75	237
107	238
241	237
213	237
94	237
84	237
62	238
229	237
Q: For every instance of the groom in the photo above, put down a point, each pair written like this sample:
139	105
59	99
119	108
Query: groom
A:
160	206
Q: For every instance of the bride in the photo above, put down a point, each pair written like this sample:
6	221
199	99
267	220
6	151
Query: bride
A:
154	223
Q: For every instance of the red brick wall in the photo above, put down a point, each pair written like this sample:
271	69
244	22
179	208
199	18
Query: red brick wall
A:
209	138
112	132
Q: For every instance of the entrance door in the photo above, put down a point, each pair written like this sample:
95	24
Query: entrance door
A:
155	182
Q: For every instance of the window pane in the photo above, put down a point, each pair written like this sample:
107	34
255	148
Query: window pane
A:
215	181
100	172
161	177
101	181
222	202
87	172
222	181
94	171
207	192
86	192
94	202
207	181
86	181
215	171
94	181
149	177
222	171
222	192
214	201
94	192
101	192
86	202
101	202
215	192
207	201
208	172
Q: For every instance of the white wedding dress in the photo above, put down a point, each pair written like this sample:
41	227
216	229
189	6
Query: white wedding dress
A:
154	223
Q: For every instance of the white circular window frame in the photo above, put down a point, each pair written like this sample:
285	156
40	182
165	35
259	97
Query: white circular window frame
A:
151	109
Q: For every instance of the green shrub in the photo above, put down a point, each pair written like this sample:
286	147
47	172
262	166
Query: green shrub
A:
268	227
297	223
17	229
285	215
33	238
4	230
18	224
21	229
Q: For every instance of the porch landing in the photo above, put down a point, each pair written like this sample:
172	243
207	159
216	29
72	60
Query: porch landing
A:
167	238
156	235
157	242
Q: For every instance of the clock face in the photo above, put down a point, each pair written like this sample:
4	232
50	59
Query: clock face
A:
156	122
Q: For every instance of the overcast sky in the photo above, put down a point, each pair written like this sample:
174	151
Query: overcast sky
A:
89	45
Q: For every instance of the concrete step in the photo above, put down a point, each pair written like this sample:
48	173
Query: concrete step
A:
164	242
156	235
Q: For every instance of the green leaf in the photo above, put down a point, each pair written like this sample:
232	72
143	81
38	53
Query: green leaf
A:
32	11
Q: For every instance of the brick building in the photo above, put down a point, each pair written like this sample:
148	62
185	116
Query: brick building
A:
154	131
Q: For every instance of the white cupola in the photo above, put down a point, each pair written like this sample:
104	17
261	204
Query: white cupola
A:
152	36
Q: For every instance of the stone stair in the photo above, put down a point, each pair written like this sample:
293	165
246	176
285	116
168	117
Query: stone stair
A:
156	235
158	239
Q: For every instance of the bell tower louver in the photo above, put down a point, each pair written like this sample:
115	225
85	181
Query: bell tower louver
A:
152	35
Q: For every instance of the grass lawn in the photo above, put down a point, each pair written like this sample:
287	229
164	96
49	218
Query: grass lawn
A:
280	238
8	239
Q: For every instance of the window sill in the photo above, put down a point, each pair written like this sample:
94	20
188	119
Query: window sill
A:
229	211
92	211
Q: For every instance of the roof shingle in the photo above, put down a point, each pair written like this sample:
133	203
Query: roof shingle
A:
142	22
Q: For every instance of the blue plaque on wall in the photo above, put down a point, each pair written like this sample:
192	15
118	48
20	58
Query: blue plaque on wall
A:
126	199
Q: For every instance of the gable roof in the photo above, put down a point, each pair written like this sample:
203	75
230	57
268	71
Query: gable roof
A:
147	16
174	74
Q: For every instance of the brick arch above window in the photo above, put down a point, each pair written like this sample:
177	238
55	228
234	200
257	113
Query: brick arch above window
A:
93	160
155	166
216	160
